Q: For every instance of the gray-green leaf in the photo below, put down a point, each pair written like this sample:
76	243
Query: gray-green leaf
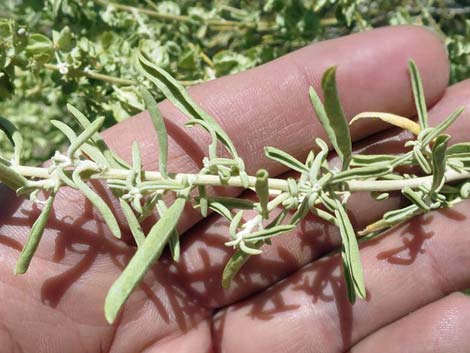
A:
285	159
159	125
351	257
439	162
332	117
145	256
420	101
97	201
180	97
34	237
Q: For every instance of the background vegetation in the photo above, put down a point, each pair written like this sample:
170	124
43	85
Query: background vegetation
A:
79	51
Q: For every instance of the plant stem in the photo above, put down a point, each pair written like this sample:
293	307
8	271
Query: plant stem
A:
179	18
111	79
274	183
94	75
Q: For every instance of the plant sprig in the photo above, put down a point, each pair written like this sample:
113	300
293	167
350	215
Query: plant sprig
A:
281	204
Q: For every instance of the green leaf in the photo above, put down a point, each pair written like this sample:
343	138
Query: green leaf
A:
145	256
97	201
39	47
415	197
180	98
285	159
65	129
11	178
221	210
174	240
232	202
133	223
332	117
34	238
14	136
397	216
136	163
203	203
113	160
262	190
439	162
443	125
90	150
300	213
235	263
364	160
351	257
421	159
418	94
268	233
174	245
159	125
465	190
91	130
319	160
235	223
459	149
373	171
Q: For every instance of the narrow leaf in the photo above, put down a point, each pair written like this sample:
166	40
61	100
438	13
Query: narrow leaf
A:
285	159
133	223
439	162
34	237
98	202
85	135
415	197
145	256
418	94
269	232
114	160
443	126
221	210
232	202
159	125
235	263
176	94
203	203
65	129
351	256
364	160
332	117
373	171
174	239
235	224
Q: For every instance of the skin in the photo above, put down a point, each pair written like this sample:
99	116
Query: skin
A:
292	297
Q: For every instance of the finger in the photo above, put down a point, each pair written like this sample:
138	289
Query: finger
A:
269	105
205	255
440	327
411	266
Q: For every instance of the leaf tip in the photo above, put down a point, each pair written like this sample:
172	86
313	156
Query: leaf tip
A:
20	269
111	310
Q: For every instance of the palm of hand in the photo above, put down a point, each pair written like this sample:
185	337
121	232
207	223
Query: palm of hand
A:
289	299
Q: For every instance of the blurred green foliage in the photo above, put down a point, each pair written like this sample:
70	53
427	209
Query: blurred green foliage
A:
79	51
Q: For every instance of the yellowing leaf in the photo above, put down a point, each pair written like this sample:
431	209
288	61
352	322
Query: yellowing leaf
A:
396	120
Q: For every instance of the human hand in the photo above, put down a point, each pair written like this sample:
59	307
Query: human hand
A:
293	295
